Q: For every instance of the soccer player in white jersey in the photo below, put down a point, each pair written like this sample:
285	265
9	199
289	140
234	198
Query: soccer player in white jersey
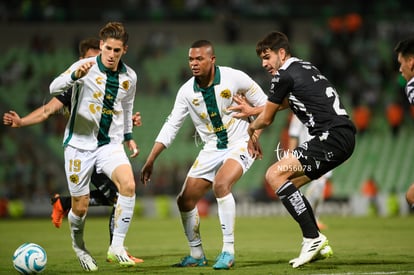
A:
103	96
106	192
206	98
405	52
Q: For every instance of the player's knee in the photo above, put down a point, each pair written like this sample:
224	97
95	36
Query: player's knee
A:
185	204
221	189
274	179
127	189
79	209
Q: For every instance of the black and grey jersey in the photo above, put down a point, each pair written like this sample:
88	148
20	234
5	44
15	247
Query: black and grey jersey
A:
409	90
311	96
65	98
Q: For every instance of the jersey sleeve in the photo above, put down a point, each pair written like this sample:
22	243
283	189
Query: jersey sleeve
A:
128	105
64	81
409	90
174	121
282	84
254	93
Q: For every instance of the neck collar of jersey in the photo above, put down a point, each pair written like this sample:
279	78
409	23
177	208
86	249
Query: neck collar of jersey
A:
216	81
288	62
121	66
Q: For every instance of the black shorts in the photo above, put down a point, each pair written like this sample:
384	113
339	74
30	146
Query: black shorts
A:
326	151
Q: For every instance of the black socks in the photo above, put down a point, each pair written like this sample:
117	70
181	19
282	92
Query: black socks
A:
299	208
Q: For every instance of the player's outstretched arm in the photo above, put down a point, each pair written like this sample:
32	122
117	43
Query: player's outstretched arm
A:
39	115
244	109
146	170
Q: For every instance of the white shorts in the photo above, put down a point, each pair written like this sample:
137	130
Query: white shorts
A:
210	160
80	164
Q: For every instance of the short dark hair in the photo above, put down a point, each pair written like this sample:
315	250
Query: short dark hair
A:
86	44
273	41
114	30
405	47
202	43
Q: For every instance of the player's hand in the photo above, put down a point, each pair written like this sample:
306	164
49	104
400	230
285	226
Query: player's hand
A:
243	109
12	119
136	119
83	69
146	172
254	148
133	147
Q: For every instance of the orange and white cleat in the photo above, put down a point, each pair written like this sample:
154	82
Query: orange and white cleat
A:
58	213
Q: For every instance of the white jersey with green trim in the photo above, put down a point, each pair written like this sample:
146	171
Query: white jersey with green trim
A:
208	109
102	104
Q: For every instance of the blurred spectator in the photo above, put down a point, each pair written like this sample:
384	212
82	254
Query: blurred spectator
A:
370	191
395	116
361	116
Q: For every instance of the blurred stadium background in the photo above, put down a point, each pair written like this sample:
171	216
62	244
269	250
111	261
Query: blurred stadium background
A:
351	42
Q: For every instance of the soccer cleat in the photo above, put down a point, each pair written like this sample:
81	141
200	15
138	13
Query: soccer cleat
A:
120	256
57	212
85	259
323	254
189	261
310	249
135	259
224	261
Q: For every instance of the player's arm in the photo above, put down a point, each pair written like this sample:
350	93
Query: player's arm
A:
265	118
39	115
66	80
244	108
146	170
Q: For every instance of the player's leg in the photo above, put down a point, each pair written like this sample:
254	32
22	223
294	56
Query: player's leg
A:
314	194
226	177
279	176
192	191
78	168
105	192
60	208
120	170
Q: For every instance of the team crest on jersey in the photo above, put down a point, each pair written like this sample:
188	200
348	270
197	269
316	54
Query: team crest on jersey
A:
74	178
125	85
225	94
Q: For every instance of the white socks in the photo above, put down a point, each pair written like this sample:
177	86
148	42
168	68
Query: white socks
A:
123	216
76	225
227	215
191	224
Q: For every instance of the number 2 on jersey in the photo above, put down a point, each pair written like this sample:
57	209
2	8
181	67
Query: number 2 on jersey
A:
330	92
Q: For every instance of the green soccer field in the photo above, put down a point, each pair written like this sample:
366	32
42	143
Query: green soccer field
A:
364	245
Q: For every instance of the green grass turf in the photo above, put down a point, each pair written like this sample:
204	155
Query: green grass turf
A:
362	245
